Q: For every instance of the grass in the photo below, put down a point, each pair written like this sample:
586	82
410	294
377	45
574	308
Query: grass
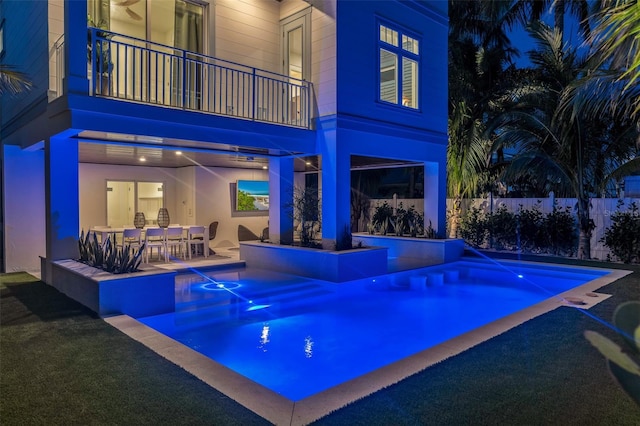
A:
61	364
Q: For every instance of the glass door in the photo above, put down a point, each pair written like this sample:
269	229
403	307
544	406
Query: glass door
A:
150	197
125	198
154	72
120	203
296	43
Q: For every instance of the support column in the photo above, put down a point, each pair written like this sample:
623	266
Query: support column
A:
75	47
62	198
336	191
435	197
281	200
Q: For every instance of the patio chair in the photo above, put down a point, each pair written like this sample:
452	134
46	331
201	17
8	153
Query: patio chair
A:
131	237
175	243
195	238
213	230
154	238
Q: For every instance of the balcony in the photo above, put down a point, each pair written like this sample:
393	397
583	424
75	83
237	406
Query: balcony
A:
134	70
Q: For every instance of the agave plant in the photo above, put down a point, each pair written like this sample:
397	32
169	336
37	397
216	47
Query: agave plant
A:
107	256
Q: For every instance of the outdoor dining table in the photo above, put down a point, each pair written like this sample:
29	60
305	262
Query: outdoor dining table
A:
105	231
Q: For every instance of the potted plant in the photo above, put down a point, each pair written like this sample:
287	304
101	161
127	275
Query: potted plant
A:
100	60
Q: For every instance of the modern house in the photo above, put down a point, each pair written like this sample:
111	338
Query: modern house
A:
141	104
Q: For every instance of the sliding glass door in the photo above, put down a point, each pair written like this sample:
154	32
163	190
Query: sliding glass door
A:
125	198
153	72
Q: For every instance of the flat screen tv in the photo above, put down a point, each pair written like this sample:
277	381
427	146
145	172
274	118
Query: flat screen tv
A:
252	195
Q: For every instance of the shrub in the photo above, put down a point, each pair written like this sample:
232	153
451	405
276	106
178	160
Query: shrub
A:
382	218
530	225
408	221
560	231
306	210
529	230
623	236
473	227
503	229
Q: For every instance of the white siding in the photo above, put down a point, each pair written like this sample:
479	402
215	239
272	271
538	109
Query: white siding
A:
247	32
289	7
25	43
56	29
323	61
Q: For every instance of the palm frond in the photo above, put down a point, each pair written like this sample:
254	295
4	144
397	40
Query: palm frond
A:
13	81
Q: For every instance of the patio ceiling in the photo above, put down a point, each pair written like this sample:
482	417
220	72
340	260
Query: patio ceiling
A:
130	155
180	154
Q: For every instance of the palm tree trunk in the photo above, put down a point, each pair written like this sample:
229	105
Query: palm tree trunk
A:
456	213
585	226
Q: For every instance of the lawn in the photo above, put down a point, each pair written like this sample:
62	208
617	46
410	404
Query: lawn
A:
61	364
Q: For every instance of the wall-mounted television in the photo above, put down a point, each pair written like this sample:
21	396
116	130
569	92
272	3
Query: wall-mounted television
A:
252	195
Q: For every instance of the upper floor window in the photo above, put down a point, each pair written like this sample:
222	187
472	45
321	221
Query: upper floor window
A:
399	60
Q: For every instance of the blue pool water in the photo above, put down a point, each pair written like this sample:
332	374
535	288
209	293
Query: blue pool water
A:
299	336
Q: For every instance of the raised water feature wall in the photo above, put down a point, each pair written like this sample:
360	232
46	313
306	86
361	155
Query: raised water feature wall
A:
425	250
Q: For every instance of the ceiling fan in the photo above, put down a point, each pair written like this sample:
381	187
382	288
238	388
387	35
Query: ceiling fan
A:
126	3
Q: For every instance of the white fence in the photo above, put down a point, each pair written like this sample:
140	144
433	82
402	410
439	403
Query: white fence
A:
600	213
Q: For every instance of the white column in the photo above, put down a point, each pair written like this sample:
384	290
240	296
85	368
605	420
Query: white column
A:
336	191
62	198
75	47
435	197
281	200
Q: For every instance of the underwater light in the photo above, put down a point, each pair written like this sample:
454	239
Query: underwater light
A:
220	286
520	276
256	307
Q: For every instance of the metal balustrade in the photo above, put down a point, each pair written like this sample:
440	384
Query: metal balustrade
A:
135	70
57	72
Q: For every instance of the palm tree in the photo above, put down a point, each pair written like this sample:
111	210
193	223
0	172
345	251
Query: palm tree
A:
480	54
535	9
12	81
559	148
616	55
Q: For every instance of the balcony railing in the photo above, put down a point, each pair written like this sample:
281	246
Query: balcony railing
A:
56	70
135	70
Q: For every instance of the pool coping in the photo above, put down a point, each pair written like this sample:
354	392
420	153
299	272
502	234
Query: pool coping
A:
282	411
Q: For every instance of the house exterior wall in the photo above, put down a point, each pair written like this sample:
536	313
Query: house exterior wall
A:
214	190
344	51
93	196
24	214
323	59
247	32
357	57
25	44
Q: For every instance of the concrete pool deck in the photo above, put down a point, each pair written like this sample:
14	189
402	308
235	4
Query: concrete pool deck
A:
280	410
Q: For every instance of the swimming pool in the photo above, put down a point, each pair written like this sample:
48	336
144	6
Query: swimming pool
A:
298	336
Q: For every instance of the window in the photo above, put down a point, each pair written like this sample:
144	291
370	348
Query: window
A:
399	57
